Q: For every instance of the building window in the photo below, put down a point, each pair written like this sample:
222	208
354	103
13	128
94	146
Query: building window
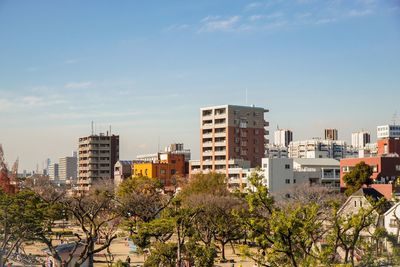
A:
393	223
398	168
287	181
294	181
287	166
355	203
162	171
173	172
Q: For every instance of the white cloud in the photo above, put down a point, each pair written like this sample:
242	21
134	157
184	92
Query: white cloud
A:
253	6
78	85
32	101
257	5
256	17
178	27
359	13
216	23
72	61
5	104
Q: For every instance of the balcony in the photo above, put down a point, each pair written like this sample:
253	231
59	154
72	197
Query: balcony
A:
207	135
207	144
220	134
220	143
220	162
207	153
208	126
220	153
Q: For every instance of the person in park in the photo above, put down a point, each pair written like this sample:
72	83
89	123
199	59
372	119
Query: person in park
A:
128	260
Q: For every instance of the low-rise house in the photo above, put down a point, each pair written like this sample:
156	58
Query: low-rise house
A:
392	221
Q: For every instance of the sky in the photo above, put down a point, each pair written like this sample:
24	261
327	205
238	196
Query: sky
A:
146	68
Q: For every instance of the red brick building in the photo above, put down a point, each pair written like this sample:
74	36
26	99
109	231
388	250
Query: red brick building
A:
385	167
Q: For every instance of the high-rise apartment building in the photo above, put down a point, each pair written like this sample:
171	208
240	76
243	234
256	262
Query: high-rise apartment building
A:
317	148
53	172
283	137
97	157
388	131
67	168
360	139
231	135
331	134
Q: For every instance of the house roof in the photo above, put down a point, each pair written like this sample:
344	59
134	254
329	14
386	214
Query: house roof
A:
125	162
368	192
64	247
397	205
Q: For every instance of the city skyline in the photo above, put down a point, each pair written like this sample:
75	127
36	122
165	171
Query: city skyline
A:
147	70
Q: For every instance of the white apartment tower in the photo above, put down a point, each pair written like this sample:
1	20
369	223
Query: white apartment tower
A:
388	131
360	139
317	148
53	172
68	168
97	157
283	137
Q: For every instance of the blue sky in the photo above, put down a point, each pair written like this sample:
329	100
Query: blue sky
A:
146	67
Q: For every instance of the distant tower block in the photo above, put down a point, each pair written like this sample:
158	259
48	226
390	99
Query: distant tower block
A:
331	134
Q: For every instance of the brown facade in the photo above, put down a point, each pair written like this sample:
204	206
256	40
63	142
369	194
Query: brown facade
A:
386	171
247	144
229	134
389	146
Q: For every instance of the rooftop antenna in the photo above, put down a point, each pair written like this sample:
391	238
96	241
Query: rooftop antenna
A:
92	128
246	97
394	118
110	129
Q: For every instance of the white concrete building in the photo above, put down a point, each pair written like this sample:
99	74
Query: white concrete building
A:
370	150
273	151
68	168
53	172
283	137
325	171
318	148
122	171
360	139
388	131
278	174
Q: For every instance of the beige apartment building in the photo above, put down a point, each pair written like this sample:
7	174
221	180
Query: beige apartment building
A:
231	137
97	157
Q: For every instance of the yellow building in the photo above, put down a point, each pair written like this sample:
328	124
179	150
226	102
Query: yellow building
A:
165	168
147	169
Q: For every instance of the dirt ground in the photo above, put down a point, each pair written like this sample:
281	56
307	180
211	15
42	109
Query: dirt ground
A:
120	250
